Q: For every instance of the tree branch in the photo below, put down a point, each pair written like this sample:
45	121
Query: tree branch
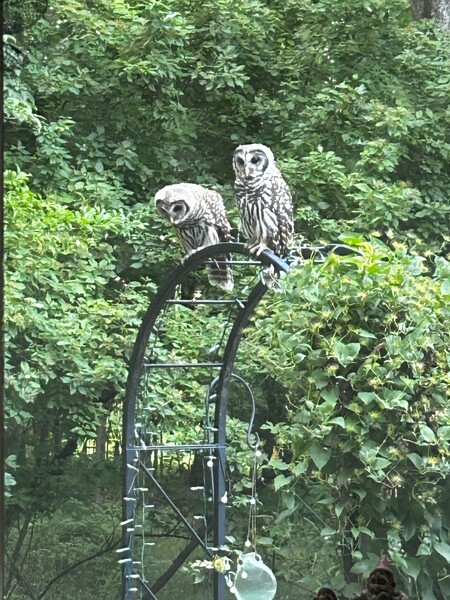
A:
107	547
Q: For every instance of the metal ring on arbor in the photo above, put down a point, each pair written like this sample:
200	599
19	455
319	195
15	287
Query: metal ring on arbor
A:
148	395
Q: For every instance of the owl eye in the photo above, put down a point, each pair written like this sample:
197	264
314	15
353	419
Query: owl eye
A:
255	160
177	208
240	161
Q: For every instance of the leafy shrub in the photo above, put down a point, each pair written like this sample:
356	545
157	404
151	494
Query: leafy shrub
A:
361	346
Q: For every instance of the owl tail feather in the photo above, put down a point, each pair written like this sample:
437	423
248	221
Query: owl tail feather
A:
220	274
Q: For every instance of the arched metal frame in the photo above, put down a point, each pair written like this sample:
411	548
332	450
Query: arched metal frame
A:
131	452
166	290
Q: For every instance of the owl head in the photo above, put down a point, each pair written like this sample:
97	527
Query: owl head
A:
176	203
250	161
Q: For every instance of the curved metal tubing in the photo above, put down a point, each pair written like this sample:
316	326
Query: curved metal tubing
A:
177	276
162	297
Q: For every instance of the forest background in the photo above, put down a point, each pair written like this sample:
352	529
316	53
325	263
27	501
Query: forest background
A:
107	101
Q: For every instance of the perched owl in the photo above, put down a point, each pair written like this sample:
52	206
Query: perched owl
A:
264	201
200	220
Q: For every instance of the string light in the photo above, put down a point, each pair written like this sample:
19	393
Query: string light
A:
140	505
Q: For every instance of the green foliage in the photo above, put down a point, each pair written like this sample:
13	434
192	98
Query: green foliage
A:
353	98
119	98
71	550
70	322
361	345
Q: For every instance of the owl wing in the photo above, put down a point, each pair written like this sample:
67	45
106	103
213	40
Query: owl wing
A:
281	205
217	216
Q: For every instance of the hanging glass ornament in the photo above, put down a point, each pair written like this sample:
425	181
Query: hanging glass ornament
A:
254	580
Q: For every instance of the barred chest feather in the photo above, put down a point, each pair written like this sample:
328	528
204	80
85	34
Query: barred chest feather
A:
197	235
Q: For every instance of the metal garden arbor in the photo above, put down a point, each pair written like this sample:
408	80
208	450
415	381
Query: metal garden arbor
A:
190	334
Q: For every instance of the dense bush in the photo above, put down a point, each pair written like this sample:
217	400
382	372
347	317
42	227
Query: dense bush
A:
119	98
361	347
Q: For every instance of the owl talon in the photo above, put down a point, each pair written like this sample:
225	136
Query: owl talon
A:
256	248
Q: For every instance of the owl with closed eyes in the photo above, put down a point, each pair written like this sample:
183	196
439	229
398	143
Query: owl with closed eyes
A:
199	218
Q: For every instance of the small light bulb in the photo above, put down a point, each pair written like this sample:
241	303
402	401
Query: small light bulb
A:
247	543
244	574
252	501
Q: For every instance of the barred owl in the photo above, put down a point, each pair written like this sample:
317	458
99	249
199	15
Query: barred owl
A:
200	220
264	201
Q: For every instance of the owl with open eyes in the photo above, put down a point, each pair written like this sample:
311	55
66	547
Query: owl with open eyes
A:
264	201
199	218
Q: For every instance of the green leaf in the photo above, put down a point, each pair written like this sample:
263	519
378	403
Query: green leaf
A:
299	469
320	455
444	432
412	567
445	287
277	463
443	549
346	353
417	460
281	481
360	568
444	585
287	512
427	434
337	421
288	500
425	586
327	532
264	540
331	395
367	397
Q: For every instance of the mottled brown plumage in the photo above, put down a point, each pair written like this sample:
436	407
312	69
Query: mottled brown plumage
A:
199	218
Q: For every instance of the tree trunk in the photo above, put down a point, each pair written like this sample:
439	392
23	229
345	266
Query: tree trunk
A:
428	9
102	437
